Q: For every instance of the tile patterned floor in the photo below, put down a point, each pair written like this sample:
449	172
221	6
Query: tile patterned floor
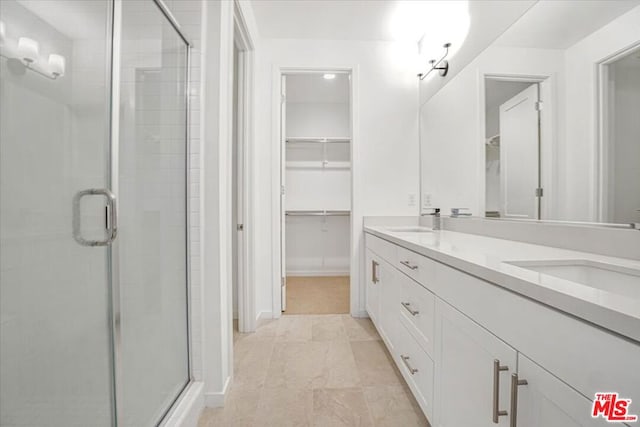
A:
315	370
317	295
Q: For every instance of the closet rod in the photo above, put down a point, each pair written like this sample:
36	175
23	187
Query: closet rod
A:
317	213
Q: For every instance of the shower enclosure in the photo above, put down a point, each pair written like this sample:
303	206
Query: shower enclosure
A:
93	212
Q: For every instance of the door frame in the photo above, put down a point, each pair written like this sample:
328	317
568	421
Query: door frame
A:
547	89
602	162
356	289
245	137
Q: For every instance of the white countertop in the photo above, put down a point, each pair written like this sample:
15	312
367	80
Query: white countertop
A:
486	257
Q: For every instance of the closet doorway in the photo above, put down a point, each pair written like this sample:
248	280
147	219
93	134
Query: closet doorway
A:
316	192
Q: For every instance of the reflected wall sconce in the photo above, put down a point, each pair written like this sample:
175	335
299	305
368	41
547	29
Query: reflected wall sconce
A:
3	33
28	49
27	52
442	65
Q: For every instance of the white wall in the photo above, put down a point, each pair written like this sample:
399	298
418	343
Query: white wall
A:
318	119
385	151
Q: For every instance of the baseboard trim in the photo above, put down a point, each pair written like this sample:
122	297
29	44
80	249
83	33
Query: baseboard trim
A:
318	273
264	315
188	408
216	399
359	313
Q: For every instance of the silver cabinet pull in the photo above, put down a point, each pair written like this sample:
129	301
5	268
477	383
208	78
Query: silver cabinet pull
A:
374	272
409	265
407	306
515	383
497	368
411	369
112	217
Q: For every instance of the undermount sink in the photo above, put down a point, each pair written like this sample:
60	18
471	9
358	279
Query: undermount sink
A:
409	229
607	277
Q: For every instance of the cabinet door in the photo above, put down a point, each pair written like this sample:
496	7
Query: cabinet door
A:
372	299
547	401
468	387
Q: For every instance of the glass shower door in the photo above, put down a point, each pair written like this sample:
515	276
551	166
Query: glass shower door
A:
55	313
151	252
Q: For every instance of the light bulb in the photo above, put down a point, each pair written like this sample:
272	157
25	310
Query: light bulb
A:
3	32
329	76
28	49
57	65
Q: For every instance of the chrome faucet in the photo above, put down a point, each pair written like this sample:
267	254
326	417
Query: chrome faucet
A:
435	224
457	212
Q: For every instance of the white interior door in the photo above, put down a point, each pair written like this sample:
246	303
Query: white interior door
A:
520	155
283	141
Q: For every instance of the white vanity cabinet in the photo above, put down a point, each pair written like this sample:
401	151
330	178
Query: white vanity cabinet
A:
546	401
459	340
473	373
372	301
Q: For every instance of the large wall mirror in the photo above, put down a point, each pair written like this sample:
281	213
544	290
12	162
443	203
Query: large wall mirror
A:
545	122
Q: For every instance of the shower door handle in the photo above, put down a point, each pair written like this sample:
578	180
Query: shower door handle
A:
112	217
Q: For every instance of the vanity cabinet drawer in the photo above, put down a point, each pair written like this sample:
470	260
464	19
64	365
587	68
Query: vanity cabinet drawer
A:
417	311
409	263
418	267
416	367
384	249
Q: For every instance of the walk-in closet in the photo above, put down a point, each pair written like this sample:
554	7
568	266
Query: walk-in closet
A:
316	124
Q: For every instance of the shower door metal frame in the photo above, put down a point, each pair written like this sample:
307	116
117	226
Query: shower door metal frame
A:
113	267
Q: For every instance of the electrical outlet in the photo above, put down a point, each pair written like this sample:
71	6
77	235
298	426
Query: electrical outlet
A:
426	200
411	200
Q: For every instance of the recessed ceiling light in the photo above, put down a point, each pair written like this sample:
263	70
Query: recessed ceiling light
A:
329	76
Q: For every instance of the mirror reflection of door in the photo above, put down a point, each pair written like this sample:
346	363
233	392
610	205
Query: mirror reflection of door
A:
512	148
621	148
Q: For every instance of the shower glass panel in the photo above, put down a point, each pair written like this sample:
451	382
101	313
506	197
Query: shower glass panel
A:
55	337
151	248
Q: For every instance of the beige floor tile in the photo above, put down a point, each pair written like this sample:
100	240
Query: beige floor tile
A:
328	328
393	406
239	410
266	330
340	408
360	329
320	370
314	364
294	328
251	361
374	363
284	407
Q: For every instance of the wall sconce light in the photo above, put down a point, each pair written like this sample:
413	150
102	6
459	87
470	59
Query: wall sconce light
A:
442	65
28	49
56	65
3	32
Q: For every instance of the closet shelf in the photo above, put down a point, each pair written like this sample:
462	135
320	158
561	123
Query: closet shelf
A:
328	139
318	213
318	165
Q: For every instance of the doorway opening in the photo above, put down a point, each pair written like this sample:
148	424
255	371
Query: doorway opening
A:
315	132
513	147
619	156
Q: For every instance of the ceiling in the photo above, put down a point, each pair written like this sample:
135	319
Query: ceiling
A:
559	24
324	19
312	87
